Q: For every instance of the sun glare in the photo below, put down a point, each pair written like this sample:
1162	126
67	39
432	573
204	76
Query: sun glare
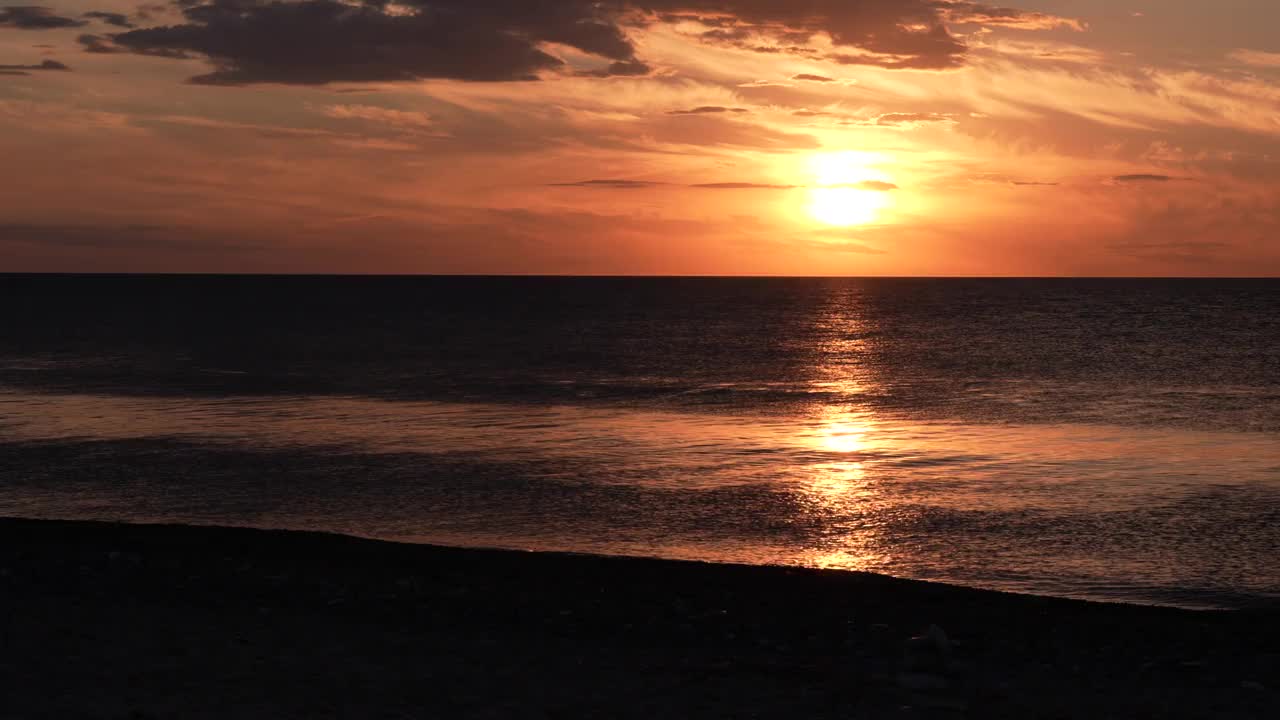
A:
842	206
840	198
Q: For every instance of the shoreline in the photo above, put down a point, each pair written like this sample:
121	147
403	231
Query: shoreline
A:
113	621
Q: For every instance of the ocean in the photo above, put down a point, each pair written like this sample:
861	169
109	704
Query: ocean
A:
1103	439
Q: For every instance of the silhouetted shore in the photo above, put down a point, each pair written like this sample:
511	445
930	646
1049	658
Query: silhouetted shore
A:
118	621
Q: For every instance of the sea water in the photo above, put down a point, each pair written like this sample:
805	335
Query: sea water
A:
1103	439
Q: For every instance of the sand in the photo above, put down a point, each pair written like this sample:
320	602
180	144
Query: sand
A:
130	621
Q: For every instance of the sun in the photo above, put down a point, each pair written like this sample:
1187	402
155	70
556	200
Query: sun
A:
849	188
844	206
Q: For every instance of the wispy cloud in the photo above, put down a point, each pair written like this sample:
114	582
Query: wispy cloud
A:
708	110
1257	58
386	116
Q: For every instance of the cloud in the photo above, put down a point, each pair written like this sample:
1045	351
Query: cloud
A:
733	185
34	118
106	45
709	110
875	185
717	130
1256	58
890	33
935	49
809	77
315	42
1142	99
148	11
961	12
615	184
33	17
110	18
311	42
742	186
1141	178
22	69
891	62
98	44
1040	50
915	119
385	116
625	68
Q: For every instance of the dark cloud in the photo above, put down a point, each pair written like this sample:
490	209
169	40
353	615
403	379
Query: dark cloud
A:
21	69
742	186
105	45
895	33
709	110
98	44
110	18
959	11
34	17
1142	177
632	68
935	49
1034	183
611	183
807	77
323	41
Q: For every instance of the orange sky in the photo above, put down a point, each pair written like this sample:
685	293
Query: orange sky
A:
824	137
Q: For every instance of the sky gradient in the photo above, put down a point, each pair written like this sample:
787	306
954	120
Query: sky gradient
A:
822	137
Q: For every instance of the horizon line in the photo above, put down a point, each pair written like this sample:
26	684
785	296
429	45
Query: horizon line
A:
41	273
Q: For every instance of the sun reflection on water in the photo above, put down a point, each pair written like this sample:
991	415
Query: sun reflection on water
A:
844	438
842	489
842	495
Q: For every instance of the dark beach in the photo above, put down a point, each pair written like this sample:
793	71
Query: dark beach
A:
123	621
